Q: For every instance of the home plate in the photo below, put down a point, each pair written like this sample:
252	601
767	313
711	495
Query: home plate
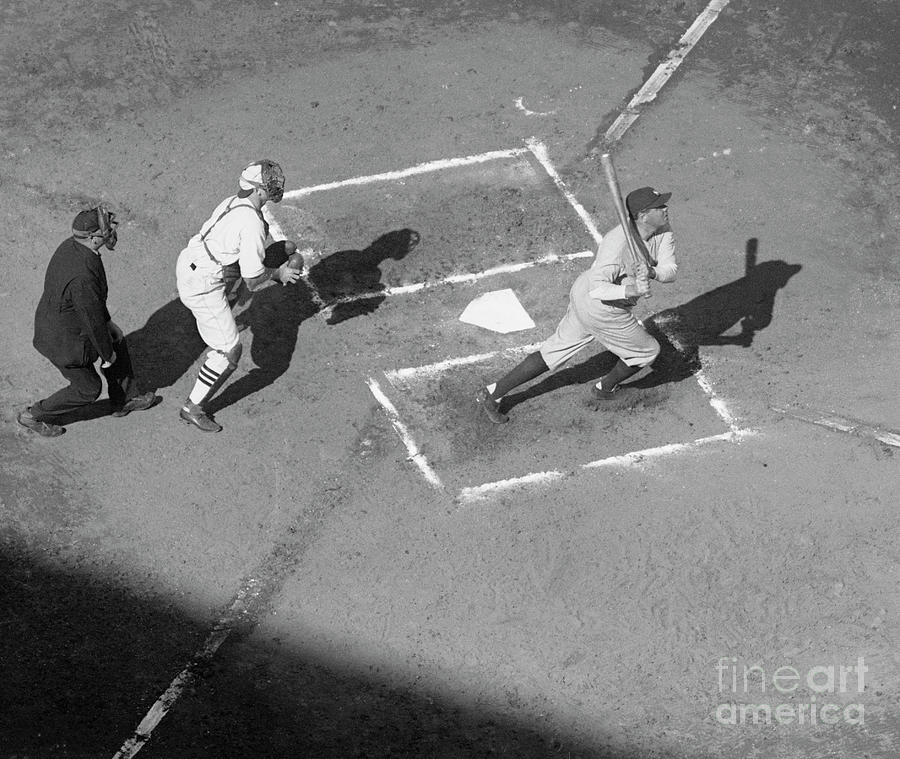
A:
499	311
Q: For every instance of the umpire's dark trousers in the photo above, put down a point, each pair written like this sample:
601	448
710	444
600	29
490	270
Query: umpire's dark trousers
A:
85	386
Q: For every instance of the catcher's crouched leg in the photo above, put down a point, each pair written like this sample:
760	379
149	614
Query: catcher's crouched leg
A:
216	370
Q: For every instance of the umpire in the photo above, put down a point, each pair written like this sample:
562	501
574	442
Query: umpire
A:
73	329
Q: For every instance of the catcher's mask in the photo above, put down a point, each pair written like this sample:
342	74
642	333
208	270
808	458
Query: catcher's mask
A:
267	175
97	222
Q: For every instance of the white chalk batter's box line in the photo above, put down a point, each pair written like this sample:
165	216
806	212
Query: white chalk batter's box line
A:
533	147
399	379
734	434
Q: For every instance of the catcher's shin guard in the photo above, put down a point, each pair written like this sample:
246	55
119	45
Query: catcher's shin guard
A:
215	371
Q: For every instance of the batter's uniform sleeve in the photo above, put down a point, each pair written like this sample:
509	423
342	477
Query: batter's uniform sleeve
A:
662	253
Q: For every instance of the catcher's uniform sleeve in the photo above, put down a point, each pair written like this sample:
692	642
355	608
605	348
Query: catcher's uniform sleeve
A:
251	244
88	303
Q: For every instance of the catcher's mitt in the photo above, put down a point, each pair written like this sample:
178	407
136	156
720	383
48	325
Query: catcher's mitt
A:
279	252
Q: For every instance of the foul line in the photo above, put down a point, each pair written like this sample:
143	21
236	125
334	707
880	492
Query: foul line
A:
664	71
841	424
415	455
240	608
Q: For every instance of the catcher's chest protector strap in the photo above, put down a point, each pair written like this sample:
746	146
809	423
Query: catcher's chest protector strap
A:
231	207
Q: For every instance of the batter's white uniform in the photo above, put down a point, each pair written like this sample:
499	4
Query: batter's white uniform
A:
235	232
598	308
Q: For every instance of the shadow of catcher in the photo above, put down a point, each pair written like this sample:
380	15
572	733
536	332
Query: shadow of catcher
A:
168	344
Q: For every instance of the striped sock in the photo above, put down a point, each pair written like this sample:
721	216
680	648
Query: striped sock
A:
206	378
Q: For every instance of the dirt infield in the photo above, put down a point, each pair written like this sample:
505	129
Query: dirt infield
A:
606	604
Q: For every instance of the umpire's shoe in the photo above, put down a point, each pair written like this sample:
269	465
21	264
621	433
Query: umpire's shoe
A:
44	429
491	407
138	403
191	413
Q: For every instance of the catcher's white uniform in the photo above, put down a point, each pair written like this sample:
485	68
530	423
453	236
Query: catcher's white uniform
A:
235	232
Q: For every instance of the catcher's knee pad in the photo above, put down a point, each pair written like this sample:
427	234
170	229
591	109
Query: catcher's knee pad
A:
222	361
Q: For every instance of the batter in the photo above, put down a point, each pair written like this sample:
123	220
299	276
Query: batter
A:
600	307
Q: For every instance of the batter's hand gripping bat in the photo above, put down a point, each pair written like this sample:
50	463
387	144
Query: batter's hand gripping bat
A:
635	249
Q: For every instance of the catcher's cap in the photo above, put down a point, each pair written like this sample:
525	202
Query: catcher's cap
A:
264	174
251	177
86	221
644	198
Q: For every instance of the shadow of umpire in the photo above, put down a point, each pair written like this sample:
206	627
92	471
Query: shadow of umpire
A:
746	303
168	345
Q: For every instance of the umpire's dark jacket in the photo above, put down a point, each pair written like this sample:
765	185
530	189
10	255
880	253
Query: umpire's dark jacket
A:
70	325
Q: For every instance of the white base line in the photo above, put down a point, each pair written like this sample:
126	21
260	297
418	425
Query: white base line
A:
246	596
664	71
415	455
842	424
422	168
632	459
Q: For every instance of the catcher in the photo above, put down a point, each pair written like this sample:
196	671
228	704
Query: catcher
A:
600	304
235	233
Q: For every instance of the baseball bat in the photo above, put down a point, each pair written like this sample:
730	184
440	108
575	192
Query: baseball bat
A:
612	181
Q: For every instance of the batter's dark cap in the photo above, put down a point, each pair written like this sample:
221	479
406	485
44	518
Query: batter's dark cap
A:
644	198
86	221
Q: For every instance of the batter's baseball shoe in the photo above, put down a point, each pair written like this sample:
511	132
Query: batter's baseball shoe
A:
599	394
491	407
138	403
44	429
191	413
